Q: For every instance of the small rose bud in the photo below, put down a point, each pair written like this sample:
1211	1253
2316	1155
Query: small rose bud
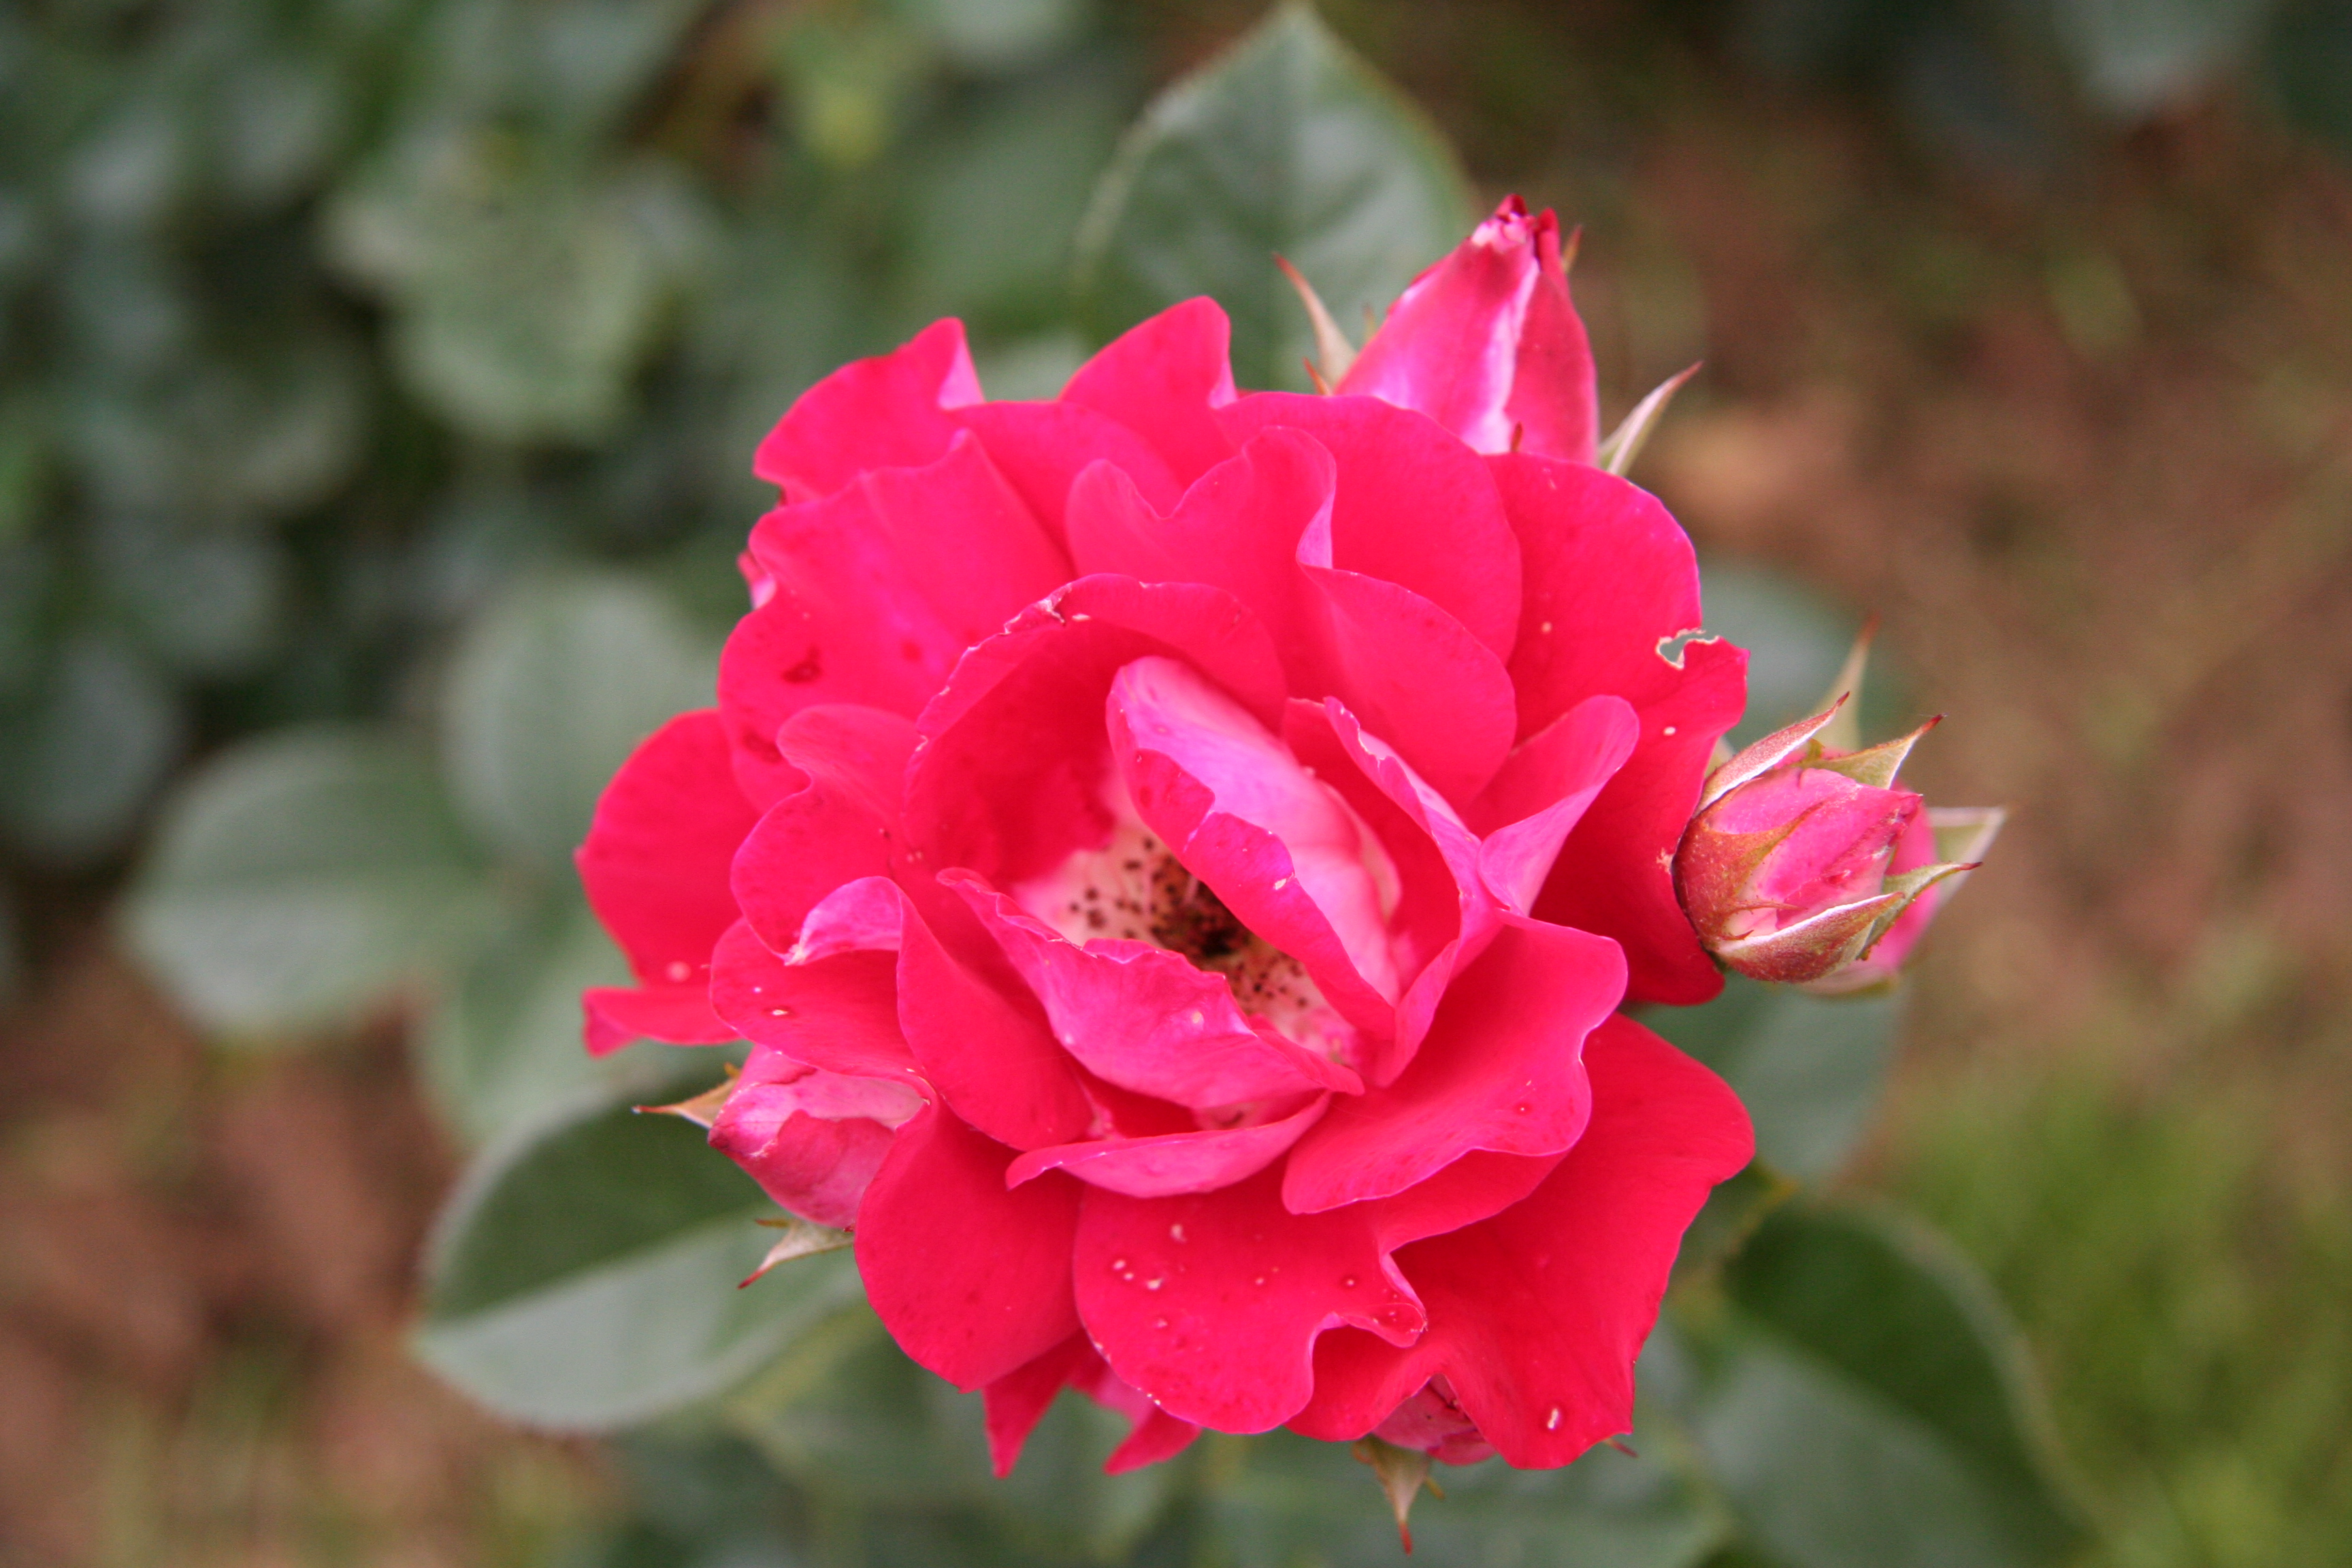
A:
1811	867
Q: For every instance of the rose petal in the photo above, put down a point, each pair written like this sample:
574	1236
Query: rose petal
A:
616	1015
1177	1162
1041	448
1500	1070
1537	1314
883	412
1008	781
1210	1302
840	825
1544	790
840	1015
1414	507
973	1279
656	862
1164	378
1144	1018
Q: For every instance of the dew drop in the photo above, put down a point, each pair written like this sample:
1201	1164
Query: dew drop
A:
1176	1232
1159	1322
1349	1283
780	1012
1523	1109
1667	730
1260	1280
1155	1284
1117	1263
1545	628
680	970
1552	1420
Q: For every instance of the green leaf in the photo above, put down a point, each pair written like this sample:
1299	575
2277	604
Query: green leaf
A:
1867	1408
848	1416
1287	144
1809	1068
585	1275
524	294
503	1045
1285	1501
299	879
550	689
82	753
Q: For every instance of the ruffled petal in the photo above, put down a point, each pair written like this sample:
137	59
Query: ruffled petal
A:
1210	1302
1144	1018
840	825
971	1278
811	1140
1238	527
840	1014
656	862
1610	579
889	411
1536	1315
1017	1401
1544	790
1501	1070
1414	507
615	1016
1008	780
1041	448
1164	378
1173	1162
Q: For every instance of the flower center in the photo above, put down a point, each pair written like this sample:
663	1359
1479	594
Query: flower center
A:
1134	889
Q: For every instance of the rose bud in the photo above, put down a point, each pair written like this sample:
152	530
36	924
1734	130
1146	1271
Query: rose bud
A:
1811	867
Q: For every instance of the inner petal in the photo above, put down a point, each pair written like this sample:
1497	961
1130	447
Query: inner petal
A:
1134	889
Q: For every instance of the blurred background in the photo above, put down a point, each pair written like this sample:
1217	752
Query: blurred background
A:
378	381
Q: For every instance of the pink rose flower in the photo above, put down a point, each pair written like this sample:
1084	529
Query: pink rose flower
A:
1177	857
1811	867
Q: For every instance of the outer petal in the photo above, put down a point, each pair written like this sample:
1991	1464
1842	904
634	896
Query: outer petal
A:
1487	343
1237	527
1018	1400
1500	1070
1537	1314
680	1014
888	411
1615	875
1211	1303
1008	780
1414	506
840	1014
1176	1162
955	534
1040	448
1610	577
1164	379
971	1278
811	1140
841	825
656	862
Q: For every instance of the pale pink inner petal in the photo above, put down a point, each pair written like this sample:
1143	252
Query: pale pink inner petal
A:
1167	706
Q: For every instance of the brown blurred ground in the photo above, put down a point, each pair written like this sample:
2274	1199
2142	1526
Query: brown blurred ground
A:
205	1271
2088	455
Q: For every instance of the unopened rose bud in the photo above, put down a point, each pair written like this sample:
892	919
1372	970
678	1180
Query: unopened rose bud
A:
1811	867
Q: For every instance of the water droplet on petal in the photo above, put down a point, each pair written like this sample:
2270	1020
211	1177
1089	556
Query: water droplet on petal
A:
1159	1322
1117	1263
1155	1284
1349	1283
680	971
1260	1279
1176	1232
1552	1420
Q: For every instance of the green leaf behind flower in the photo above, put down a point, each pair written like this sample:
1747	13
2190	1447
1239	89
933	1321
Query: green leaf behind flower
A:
1284	144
